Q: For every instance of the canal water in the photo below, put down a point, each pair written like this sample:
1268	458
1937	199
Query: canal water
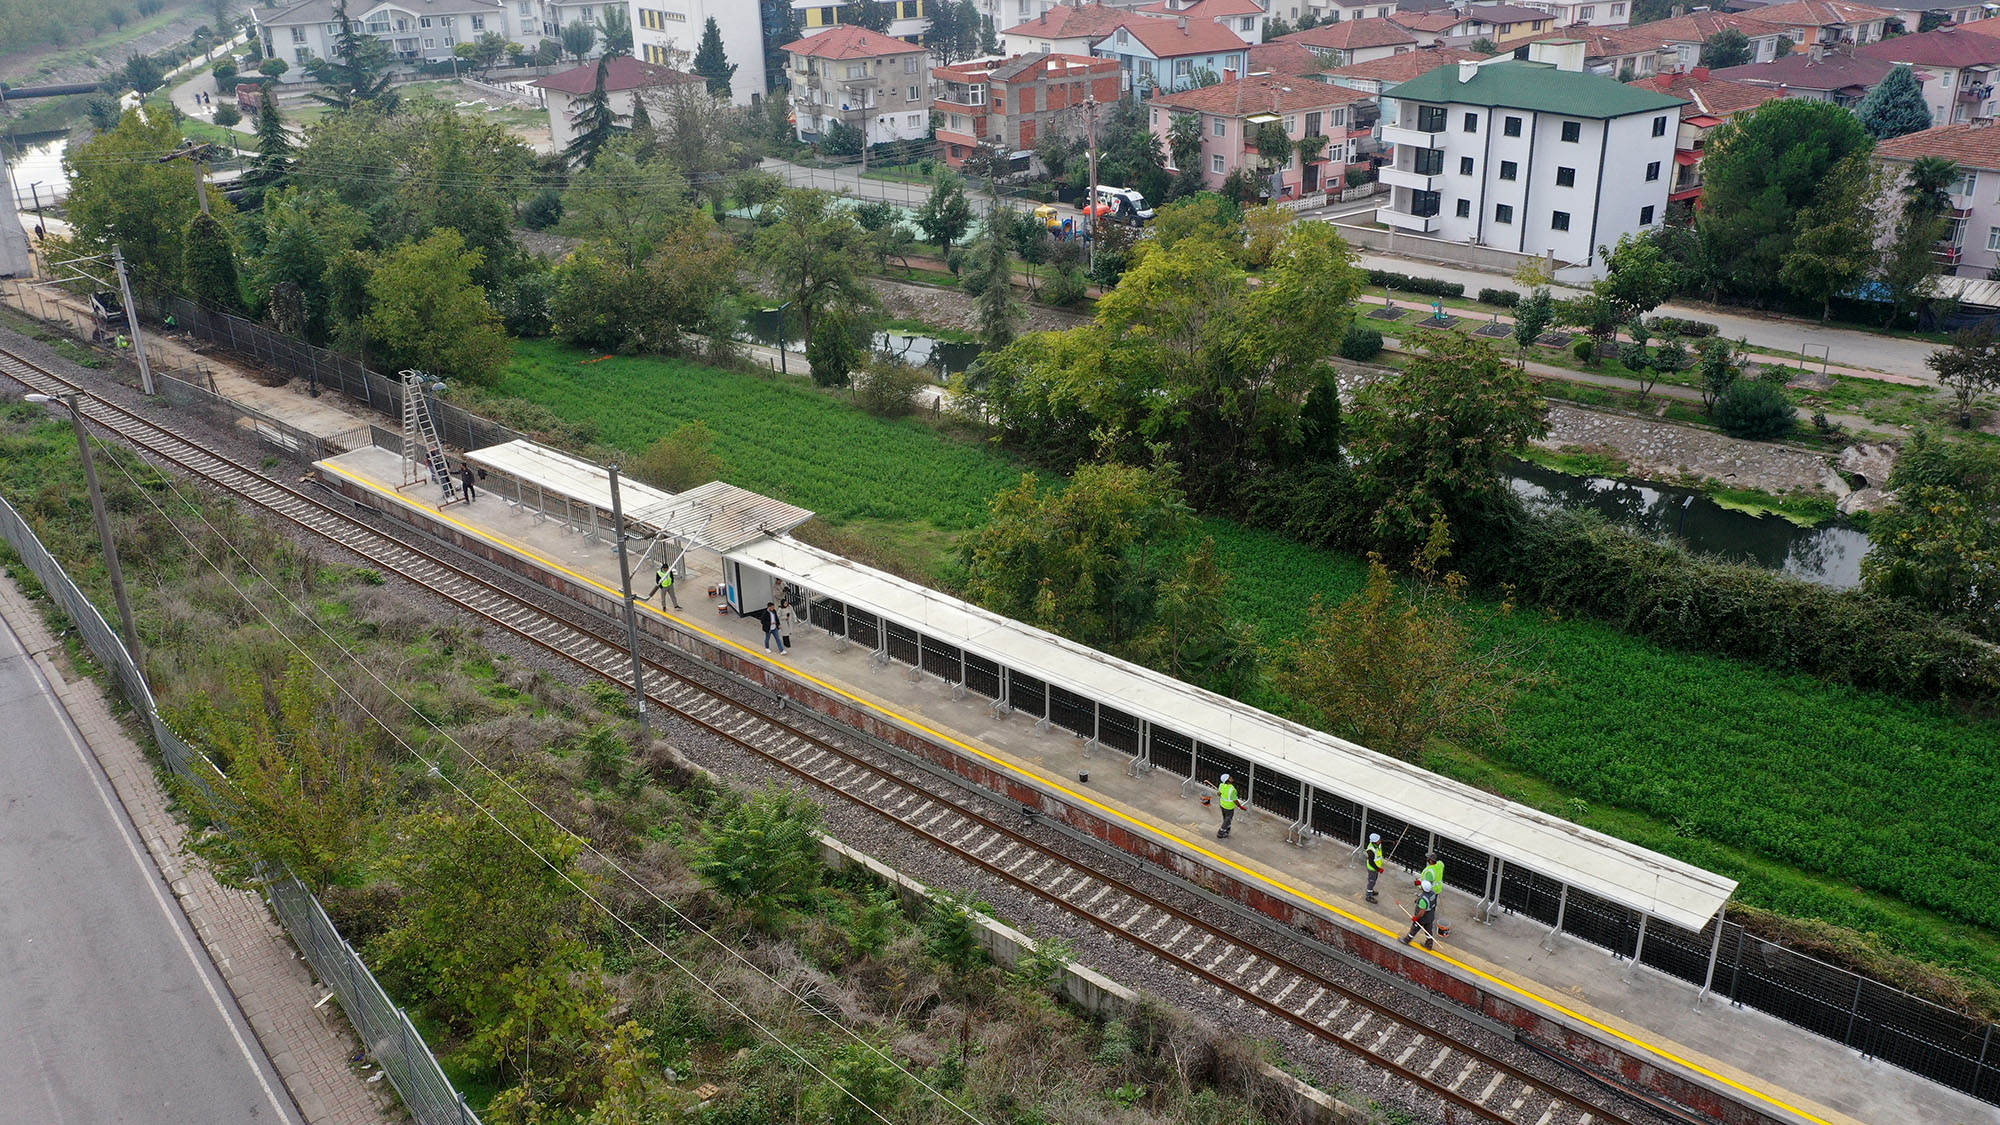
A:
940	357
1829	553
37	170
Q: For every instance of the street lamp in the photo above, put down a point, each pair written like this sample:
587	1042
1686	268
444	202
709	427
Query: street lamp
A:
784	365
68	402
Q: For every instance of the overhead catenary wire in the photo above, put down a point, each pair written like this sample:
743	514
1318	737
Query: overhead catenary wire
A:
506	784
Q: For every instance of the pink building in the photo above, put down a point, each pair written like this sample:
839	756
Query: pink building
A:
1231	112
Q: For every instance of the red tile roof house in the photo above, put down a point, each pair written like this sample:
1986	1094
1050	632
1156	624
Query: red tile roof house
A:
1163	54
1015	102
1063	30
1244	17
1827	76
1230	113
874	82
1383	75
1955	66
1354	41
1712	101
624	80
1971	248
1827	22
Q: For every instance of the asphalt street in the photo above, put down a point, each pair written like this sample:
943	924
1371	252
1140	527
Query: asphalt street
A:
113	1011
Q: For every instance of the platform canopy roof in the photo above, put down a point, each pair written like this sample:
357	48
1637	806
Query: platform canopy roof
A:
560	474
1612	869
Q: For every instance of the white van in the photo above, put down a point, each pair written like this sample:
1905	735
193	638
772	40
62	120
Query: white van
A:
1120	203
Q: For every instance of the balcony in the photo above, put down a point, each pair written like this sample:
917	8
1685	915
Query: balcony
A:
1404	178
1975	92
1402	135
1417	224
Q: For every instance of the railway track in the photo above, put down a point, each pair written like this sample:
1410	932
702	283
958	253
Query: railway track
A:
1472	1083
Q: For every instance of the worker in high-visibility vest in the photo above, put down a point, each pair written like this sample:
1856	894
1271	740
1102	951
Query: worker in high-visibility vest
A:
1374	854
664	584
1425	914
1433	872
1225	796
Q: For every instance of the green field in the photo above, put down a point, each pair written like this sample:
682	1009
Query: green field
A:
1847	806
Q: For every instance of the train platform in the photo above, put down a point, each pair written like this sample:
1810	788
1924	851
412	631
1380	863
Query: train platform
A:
1785	1072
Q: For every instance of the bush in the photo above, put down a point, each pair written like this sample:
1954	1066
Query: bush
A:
888	387
1584	348
543	211
1675	326
227	115
1358	176
833	351
1428	286
1064	289
1504	298
1361	343
225	73
1754	409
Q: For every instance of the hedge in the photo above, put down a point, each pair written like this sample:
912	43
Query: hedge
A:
1504	298
1360	343
1428	286
1675	326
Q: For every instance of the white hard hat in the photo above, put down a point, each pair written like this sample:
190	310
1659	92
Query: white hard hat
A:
1225	777
1374	837
1427	884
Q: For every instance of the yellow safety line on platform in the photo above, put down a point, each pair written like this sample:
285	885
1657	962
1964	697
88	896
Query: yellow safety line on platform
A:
1113	813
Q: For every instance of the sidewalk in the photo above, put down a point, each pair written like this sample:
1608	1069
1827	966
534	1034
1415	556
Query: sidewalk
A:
309	1042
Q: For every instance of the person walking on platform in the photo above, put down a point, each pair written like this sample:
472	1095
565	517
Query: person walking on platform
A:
1374	854
1225	797
466	477
772	638
787	618
663	584
1424	915
1433	872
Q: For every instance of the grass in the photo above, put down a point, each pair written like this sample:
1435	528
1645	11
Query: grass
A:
105	44
1727	764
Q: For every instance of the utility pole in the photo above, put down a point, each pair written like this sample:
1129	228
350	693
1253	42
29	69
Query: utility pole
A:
110	546
631	615
1090	201
132	321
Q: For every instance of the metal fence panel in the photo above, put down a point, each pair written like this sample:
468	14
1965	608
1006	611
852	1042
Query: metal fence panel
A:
382	1026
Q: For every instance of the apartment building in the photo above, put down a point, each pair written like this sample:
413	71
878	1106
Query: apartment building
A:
854	76
1173	54
1536	157
1711	101
907	19
1971	247
1955	66
413	30
1016	102
667	33
1506	24
1065	29
1827	23
1231	114
1353	41
1584	13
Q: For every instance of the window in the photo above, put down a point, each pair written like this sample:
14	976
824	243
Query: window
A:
1511	126
1465	166
1565	177
527	9
1966	184
911	96
916	120
1424	204
1509	170
1428	162
1291	125
479	23
1617	10
298	35
1559	220
1464	210
302	54
1221	126
1430	119
1993	238
1249	23
424	22
1472	123
1215	164
429	43
857	70
910	64
1313	127
1645	216
1652	171
1659	126
1572	131
1503	213
1588	11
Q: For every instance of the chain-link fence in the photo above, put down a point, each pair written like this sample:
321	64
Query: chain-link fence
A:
384	1028
460	429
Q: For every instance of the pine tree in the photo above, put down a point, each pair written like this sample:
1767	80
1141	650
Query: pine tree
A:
596	122
273	163
208	264
357	72
989	40
1895	107
942	36
711	63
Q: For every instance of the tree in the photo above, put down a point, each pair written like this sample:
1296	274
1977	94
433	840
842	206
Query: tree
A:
1396	668
1761	170
954	31
1968	369
1638	279
1184	146
628	205
1532	317
426	312
577	39
487	50
595	122
875	15
843	139
1427	443
1274	151
122	194
681	460
1909	264
1755	410
763	854
227	115
1598	316
295	785
814	252
989	37
833	351
143	73
998	311
947	214
357	70
1728	47
711	62
1938	545
1835	247
208	264
664	306
1895	106
617	30
1720	364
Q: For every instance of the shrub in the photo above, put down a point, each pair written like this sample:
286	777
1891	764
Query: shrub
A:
1504	298
1583	349
888	387
225	72
543	211
833	351
1754	409
1675	326
227	115
1428	286
1358	176
1361	343
1064	289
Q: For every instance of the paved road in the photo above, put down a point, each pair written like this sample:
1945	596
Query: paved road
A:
113	1012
